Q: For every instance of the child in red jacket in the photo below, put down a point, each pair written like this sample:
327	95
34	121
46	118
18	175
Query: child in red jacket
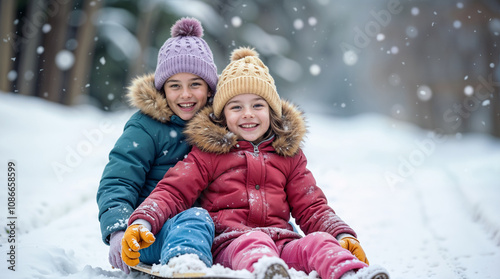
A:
250	173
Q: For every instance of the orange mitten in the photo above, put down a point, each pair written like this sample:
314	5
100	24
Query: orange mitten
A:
352	244
136	237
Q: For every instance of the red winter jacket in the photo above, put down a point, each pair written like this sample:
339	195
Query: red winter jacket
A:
243	186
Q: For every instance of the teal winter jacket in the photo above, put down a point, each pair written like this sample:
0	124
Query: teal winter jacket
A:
151	143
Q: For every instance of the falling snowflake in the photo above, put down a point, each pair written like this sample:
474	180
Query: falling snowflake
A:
65	59
315	69
12	75
236	21
312	21
46	28
469	90
415	11
350	57
424	93
298	24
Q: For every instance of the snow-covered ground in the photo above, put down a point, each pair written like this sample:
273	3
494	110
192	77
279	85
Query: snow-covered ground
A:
423	205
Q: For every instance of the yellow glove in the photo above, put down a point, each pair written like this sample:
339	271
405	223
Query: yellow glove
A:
352	244
136	237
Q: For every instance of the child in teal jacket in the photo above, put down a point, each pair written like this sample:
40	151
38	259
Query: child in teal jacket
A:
152	142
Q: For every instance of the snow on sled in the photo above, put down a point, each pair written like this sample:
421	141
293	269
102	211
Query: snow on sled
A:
145	268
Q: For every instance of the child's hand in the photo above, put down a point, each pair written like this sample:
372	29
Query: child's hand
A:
136	237
352	244
115	248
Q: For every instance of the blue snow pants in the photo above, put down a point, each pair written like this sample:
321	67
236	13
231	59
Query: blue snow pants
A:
189	232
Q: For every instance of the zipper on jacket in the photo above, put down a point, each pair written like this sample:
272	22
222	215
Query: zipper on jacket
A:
256	147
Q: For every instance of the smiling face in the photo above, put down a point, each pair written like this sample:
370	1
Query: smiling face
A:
248	117
186	94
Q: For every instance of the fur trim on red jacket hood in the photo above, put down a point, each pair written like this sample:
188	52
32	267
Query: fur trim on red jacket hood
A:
202	132
143	95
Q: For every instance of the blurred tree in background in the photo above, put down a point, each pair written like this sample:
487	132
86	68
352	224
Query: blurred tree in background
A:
433	63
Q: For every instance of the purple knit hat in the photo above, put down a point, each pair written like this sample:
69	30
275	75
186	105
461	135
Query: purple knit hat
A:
186	52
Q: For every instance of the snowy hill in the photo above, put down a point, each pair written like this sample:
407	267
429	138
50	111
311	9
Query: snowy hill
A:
423	205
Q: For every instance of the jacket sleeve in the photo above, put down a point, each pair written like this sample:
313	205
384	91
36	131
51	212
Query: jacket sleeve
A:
123	178
308	203
176	192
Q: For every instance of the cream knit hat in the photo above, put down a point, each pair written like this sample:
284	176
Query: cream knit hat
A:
246	74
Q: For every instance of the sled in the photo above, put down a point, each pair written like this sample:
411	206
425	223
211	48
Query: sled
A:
145	268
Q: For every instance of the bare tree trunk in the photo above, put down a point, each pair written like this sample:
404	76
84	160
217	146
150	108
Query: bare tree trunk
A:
495	114
491	48
80	73
492	44
51	77
148	16
7	9
28	71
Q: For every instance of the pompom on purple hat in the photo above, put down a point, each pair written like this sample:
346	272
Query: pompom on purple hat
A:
186	52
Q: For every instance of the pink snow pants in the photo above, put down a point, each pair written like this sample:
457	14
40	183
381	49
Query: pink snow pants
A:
317	251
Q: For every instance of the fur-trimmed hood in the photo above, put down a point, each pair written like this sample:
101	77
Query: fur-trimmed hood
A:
208	136
143	95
